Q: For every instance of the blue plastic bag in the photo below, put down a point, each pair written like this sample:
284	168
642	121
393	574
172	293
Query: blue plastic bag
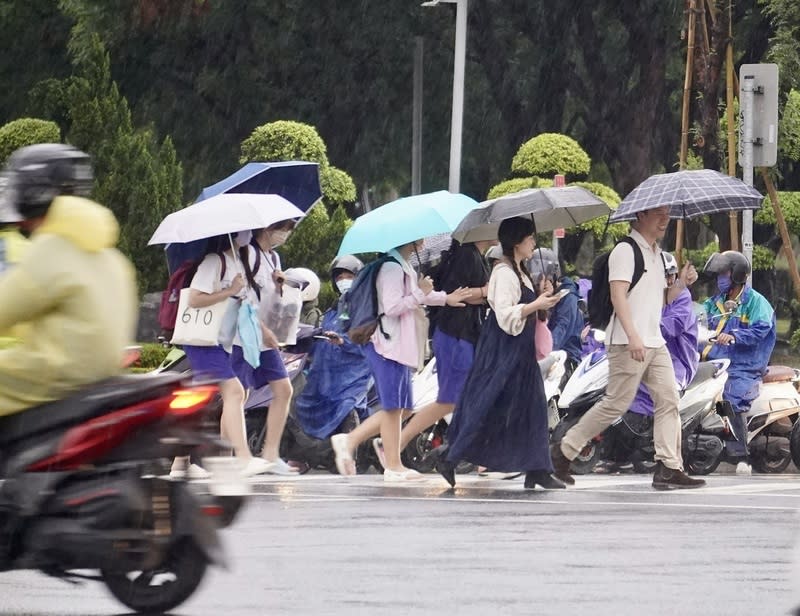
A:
250	333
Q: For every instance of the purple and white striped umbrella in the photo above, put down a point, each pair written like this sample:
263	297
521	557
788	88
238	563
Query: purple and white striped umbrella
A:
689	194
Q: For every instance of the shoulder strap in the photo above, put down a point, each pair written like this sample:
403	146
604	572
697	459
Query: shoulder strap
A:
223	265
638	260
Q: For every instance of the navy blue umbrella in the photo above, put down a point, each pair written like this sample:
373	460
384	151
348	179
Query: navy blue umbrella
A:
295	181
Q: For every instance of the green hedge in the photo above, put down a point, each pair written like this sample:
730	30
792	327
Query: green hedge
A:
151	356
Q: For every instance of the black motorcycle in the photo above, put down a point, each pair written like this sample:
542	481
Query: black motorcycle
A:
86	487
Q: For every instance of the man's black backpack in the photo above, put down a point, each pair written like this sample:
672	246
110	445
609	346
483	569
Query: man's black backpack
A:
599	301
362	303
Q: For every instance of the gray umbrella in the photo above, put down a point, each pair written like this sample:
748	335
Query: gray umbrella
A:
689	194
550	208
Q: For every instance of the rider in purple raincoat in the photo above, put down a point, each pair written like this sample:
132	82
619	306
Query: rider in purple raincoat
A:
679	328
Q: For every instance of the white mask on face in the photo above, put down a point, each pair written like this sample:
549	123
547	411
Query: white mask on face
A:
243	238
344	285
278	238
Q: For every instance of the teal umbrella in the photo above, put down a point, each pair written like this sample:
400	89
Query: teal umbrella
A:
406	220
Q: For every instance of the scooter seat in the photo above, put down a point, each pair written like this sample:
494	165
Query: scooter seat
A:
94	400
779	374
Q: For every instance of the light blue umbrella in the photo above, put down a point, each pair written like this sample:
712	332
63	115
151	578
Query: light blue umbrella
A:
406	220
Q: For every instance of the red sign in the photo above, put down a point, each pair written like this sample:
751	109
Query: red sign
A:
559	181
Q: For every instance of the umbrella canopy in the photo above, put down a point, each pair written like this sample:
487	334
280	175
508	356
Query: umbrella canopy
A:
550	208
435	245
295	181
406	220
225	213
689	194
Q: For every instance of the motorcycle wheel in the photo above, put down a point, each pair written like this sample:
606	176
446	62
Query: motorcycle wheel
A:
415	455
587	459
794	443
765	464
255	421
644	467
162	589
703	465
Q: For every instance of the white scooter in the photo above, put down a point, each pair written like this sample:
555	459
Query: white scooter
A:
705	417
770	421
630	438
426	388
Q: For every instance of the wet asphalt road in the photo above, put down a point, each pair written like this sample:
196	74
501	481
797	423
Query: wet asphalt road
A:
321	544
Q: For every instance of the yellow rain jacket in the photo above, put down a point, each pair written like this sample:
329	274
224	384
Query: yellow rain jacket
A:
12	246
76	295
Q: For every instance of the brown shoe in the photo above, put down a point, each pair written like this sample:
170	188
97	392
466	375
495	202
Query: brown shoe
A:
671	479
560	464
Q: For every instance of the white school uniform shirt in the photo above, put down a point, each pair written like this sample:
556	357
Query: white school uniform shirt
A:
207	279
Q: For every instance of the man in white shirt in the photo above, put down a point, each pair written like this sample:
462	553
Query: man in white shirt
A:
637	353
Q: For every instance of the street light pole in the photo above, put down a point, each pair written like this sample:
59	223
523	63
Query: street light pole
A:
457	115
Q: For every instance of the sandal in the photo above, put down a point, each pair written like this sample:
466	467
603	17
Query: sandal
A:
344	461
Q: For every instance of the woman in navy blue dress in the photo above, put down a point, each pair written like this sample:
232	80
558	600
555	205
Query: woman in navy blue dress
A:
500	421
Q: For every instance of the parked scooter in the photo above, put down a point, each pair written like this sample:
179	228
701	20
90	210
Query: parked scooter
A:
769	425
705	419
86	487
630	438
769	428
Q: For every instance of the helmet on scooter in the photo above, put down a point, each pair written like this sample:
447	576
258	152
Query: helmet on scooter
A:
494	254
544	262
729	261
670	264
310	290
39	173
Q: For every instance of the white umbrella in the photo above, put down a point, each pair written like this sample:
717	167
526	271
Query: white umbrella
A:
225	213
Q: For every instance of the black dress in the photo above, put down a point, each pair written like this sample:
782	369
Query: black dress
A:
500	421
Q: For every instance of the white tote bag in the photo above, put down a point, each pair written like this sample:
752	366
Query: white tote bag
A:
200	326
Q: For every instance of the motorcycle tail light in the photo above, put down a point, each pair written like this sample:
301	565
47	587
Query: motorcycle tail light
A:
188	401
90	440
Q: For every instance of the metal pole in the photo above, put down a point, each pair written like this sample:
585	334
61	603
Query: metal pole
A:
747	161
457	118
416	129
687	93
733	217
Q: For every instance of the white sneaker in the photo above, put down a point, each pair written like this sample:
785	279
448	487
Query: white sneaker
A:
255	466
194	472
279	467
743	468
408	474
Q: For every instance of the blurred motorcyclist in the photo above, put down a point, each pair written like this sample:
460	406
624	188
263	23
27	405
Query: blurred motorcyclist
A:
75	293
12	245
743	324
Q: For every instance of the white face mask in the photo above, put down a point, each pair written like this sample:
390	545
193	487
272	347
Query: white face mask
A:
243	238
278	238
344	285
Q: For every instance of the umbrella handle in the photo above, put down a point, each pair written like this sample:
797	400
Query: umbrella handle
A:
239	265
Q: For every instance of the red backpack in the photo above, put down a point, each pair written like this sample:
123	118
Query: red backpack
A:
180	279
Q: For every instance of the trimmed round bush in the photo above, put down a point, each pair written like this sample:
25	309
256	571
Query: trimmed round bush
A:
284	140
26	131
551	153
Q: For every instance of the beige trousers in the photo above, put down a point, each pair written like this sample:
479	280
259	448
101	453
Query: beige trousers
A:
624	376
